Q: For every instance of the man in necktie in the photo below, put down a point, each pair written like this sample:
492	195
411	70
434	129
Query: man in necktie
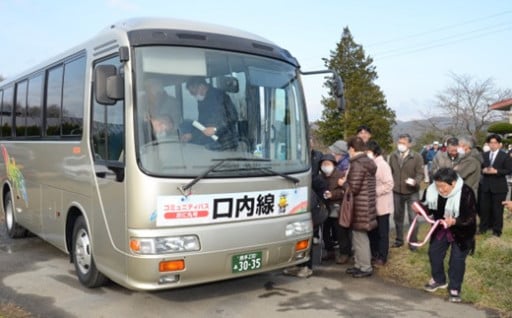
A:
493	187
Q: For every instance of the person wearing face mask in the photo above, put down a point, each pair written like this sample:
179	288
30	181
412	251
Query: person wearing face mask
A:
407	169
332	195
452	201
469	163
446	159
216	125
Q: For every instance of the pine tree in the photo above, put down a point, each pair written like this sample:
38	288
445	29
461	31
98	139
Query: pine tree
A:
365	102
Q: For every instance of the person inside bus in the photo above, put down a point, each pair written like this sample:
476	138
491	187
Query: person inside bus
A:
158	102
216	125
162	110
163	127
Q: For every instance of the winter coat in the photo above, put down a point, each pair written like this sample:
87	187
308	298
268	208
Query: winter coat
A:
410	167
384	189
443	160
469	169
337	192
362	183
465	225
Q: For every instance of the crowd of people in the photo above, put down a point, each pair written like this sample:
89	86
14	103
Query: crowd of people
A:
465	189
360	187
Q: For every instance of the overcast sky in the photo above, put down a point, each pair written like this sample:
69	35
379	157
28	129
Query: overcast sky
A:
415	44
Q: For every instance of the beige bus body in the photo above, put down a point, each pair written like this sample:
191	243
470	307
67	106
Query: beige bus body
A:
145	198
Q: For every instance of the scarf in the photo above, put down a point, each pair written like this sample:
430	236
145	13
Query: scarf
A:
453	199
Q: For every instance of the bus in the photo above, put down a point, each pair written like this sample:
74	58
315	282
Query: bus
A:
84	170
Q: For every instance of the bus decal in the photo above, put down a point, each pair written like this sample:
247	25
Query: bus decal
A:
15	176
177	210
152	217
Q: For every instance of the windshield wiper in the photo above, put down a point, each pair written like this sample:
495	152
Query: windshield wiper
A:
283	175
220	162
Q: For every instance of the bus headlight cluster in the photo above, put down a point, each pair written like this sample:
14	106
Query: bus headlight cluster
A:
298	228
164	245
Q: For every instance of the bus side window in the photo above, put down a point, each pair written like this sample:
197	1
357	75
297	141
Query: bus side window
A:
108	125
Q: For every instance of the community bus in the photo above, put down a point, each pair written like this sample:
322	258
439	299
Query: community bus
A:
84	169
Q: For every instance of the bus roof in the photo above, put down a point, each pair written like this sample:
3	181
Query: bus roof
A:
145	23
181	24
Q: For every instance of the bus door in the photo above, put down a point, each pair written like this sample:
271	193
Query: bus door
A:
107	146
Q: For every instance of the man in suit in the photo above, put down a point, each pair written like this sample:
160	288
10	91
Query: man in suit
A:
493	187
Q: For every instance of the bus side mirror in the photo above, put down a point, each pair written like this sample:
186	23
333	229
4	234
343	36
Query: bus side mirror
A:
336	86
108	85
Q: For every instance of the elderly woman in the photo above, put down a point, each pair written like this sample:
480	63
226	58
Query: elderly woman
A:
450	199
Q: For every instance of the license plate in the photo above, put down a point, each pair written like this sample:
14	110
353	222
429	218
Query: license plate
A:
246	262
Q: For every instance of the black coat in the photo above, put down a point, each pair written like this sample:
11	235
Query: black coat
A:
496	183
464	229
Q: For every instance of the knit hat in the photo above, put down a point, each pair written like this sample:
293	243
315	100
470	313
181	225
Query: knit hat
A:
339	147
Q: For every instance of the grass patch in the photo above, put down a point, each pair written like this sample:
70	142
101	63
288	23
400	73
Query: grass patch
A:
488	278
9	310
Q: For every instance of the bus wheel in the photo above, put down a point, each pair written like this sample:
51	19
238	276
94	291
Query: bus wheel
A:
83	259
14	230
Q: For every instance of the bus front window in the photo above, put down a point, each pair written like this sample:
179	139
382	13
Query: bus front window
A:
196	106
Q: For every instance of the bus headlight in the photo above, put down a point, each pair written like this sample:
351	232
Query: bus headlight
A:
298	228
164	245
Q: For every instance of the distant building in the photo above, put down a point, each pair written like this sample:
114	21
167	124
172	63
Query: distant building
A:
504	105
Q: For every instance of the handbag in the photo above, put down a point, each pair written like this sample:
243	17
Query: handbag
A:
319	211
347	209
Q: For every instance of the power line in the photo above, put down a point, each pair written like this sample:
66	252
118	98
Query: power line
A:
445	41
448	40
436	30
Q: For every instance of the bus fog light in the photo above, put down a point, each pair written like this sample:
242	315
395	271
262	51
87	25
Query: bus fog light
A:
163	245
168	279
298	228
300	255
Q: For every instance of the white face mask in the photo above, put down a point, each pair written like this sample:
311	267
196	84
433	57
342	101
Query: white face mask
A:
402	148
199	98
461	151
327	170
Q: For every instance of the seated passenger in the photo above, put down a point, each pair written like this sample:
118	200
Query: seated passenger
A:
163	127
158	102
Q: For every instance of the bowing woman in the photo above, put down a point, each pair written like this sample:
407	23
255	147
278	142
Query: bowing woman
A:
448	198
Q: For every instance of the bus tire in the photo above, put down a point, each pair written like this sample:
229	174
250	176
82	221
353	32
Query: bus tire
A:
83	258
14	230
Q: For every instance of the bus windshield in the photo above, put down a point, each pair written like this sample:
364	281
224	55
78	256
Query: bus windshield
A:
196	106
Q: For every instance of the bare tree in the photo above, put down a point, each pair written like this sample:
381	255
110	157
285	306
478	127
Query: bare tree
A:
466	103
